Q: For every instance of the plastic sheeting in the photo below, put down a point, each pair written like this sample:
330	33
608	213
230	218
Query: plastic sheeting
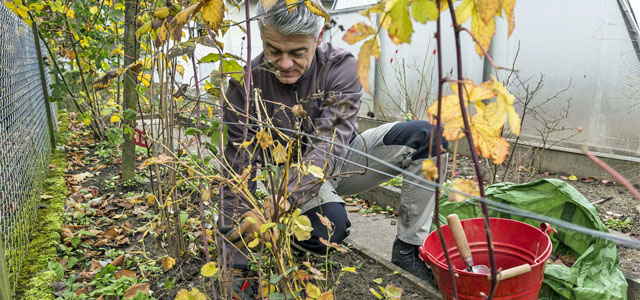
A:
595	273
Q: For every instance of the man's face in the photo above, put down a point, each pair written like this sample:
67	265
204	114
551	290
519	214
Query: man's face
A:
289	55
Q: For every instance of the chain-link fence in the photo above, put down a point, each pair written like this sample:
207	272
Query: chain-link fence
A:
24	141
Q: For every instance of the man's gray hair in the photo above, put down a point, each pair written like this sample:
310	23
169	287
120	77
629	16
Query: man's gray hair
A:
299	21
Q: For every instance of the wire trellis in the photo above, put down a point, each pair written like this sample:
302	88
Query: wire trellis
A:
24	139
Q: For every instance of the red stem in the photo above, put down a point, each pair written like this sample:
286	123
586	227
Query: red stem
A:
613	173
201	204
439	132
474	153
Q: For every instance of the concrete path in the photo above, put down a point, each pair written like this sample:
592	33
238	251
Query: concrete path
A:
375	233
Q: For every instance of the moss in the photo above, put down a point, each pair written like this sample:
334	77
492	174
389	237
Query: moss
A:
35	279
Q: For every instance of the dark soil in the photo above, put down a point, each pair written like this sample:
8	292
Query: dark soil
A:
613	202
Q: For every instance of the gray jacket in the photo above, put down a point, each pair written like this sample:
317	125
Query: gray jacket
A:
330	94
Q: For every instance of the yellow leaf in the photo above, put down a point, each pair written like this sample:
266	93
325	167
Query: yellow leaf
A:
193	294
209	269
401	29
349	269
245	144
424	10
316	171
301	226
114	119
376	9
573	177
213	13
254	243
508	6
268	4
291	4
86	121
317	10
313	291
251	220
358	32
167	263
370	47
487	9
488	141
161	13
71	14
328	295
266	226
467	186
180	70
206	194
464	10
279	154
210	112
93	10
179	20
146	27
483	32
264	139
429	170
514	120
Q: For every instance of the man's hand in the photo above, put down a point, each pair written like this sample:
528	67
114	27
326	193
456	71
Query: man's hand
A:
250	223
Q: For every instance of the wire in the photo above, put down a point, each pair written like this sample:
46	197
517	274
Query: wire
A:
497	206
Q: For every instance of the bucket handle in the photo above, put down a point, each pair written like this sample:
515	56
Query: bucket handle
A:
546	228
422	254
512	272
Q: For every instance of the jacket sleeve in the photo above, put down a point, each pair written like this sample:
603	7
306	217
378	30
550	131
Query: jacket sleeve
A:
237	159
337	123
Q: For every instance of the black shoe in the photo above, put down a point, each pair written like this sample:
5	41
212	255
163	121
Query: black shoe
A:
406	257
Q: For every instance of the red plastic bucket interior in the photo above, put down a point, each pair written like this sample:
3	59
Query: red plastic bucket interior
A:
515	243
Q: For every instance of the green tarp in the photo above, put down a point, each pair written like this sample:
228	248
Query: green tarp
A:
595	273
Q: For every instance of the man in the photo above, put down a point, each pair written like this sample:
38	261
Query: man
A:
307	83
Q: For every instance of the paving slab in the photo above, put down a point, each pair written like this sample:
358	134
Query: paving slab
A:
375	233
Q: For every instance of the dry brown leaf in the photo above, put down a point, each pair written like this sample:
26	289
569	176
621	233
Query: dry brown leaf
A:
95	265
358	32
125	273
119	261
111	233
132	290
179	20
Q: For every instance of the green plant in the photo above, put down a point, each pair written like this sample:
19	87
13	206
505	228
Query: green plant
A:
394	182
618	224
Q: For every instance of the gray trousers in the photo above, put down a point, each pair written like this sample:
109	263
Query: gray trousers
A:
417	202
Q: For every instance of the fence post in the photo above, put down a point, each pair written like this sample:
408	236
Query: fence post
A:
45	90
5	287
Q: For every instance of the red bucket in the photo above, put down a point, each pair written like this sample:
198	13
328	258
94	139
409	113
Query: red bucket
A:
515	243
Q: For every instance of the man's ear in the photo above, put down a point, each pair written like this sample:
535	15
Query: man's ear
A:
319	41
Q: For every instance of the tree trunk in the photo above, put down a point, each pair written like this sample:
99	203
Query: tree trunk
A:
130	96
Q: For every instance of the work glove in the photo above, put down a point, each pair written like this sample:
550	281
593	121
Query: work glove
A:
249	225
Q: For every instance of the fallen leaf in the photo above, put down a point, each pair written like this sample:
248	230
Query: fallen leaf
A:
573	177
125	273
118	261
209	269
132	290
46	197
167	263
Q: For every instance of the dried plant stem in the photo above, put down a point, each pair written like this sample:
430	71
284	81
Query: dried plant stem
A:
474	153
439	132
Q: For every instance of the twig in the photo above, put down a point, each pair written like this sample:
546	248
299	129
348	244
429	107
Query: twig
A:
613	173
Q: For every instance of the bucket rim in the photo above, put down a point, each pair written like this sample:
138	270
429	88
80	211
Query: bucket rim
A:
430	258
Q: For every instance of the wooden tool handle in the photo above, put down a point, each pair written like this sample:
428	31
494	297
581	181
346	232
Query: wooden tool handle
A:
460	238
513	272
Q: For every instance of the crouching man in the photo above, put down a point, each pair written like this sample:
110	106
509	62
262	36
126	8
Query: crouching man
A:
306	83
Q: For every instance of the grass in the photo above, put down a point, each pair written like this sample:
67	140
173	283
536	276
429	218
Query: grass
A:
35	278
